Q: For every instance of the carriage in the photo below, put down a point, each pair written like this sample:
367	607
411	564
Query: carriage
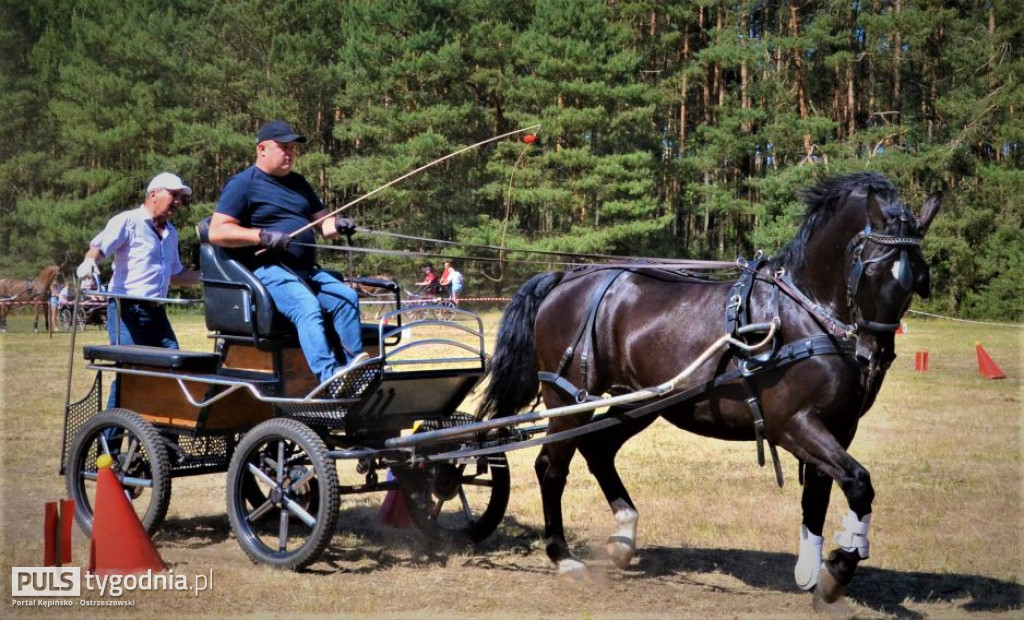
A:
84	314
251	408
808	339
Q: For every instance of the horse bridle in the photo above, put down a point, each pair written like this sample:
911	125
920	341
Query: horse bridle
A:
904	277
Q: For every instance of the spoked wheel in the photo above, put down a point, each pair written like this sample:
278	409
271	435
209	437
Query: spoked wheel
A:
417	313
282	494
140	463
256	493
458	502
445	310
65	319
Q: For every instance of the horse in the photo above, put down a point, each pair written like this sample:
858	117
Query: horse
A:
827	306
37	290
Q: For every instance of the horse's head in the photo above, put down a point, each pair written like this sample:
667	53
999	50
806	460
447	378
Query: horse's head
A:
885	263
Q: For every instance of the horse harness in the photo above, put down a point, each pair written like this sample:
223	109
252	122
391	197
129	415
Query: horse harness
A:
839	339
30	290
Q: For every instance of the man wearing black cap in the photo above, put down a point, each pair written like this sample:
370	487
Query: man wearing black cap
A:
261	207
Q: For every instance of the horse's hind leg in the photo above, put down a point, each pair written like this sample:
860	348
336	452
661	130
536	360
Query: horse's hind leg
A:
599	450
552	467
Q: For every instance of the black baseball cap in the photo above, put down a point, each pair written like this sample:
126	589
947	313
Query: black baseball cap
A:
279	131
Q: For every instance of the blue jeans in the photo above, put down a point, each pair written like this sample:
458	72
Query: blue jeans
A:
141	324
305	297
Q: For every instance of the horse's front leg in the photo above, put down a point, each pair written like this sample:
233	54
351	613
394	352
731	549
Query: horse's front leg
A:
813	443
814	505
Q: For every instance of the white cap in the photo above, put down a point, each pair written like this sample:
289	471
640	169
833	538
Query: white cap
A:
166	180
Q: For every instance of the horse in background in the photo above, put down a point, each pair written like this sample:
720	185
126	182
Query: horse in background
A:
827	308
35	291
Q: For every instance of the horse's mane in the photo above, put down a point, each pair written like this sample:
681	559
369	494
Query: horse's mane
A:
823	202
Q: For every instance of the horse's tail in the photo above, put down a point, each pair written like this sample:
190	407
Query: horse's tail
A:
513	370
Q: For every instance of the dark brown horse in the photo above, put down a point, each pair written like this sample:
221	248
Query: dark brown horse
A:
37	291
835	294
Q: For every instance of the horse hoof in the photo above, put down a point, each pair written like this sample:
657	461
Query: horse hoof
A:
829	590
573	570
838	608
620	550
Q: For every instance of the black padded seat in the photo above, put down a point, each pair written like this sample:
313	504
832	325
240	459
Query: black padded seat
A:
155	357
235	301
238	305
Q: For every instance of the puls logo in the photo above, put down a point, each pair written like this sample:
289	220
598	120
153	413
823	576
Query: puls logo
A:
50	581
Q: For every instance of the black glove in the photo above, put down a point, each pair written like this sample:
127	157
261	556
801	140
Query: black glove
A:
345	225
274	239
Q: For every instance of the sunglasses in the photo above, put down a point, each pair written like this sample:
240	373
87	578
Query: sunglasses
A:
180	196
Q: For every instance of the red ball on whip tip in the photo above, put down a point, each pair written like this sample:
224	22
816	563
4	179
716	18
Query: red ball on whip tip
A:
530	138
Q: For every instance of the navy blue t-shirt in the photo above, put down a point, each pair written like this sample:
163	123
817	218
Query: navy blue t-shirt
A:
260	200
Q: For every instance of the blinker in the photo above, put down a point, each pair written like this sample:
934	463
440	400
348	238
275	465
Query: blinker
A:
904	277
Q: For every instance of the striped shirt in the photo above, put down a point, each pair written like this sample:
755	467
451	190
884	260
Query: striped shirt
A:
144	257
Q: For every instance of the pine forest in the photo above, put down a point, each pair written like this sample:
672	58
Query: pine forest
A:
679	129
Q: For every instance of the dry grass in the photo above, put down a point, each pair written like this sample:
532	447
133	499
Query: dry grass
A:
717	537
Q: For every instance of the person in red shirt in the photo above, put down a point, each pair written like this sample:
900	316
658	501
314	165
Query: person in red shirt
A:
429	284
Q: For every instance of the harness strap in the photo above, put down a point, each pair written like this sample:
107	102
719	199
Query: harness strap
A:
754	403
820	344
586	330
579	395
821	316
737	308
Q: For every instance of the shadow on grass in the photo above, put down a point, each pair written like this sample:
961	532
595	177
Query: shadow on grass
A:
882	590
361	544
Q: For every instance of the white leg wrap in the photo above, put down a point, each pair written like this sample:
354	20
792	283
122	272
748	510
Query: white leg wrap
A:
808	564
854	536
625	522
571	567
622	544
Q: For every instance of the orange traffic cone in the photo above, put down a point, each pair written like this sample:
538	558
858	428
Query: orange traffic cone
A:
394	511
120	545
986	366
57	532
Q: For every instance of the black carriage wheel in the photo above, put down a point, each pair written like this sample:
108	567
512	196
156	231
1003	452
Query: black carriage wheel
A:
65	319
445	310
293	473
255	494
417	313
459	503
140	462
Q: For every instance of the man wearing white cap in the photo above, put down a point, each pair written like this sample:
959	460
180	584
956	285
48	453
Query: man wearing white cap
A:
144	246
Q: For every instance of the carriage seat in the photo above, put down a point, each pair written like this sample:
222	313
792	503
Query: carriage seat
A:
235	301
154	357
238	305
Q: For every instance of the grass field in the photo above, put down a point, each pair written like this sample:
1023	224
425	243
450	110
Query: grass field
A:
717	537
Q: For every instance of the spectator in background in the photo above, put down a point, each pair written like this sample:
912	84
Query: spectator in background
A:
452	279
429	285
446	273
54	305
